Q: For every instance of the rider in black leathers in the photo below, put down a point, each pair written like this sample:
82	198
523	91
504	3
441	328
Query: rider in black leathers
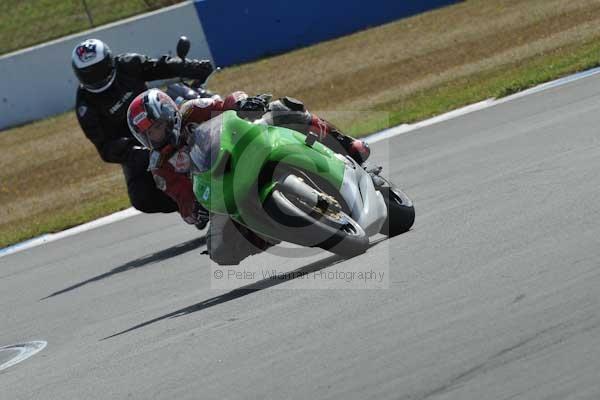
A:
108	85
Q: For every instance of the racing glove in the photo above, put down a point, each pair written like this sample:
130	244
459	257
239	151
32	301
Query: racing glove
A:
253	107
197	69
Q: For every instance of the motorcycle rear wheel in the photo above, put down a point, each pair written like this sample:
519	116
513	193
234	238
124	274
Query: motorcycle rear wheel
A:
401	211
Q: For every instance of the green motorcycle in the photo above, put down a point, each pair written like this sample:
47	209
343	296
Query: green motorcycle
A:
286	186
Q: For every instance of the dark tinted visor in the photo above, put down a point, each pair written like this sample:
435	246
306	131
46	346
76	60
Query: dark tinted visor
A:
97	75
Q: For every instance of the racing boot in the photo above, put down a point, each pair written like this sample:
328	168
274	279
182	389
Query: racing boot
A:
359	150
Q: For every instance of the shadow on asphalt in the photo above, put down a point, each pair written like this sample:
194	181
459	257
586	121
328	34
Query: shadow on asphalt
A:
245	290
162	255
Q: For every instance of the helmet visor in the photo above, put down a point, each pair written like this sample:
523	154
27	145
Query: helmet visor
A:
98	75
153	136
157	134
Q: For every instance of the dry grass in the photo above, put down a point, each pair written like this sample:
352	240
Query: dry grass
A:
51	177
49	168
365	70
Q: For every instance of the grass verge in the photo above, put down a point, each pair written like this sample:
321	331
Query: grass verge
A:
25	23
62	219
497	83
51	177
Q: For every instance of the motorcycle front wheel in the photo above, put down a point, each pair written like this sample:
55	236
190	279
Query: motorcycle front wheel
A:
325	227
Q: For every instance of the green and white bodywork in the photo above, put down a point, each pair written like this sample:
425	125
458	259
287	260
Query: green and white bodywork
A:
239	164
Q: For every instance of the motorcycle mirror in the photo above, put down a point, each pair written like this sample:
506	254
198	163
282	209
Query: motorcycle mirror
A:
183	47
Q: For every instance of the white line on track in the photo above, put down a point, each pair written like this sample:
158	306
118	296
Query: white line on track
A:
405	128
51	237
374	138
24	350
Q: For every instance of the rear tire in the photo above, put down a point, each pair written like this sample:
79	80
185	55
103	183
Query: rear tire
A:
401	212
303	225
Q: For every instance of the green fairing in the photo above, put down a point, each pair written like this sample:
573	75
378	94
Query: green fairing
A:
230	187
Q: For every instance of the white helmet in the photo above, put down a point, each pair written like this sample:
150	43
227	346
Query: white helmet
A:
94	65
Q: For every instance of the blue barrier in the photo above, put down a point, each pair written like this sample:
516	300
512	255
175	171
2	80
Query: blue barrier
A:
243	30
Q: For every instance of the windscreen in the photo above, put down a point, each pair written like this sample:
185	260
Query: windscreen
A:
205	142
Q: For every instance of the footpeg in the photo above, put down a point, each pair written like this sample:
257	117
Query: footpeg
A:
375	170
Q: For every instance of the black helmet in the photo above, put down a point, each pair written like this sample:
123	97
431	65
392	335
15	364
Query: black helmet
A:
94	65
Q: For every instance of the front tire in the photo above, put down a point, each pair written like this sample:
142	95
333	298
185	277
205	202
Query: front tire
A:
307	226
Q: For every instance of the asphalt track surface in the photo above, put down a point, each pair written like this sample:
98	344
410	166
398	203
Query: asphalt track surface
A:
494	294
